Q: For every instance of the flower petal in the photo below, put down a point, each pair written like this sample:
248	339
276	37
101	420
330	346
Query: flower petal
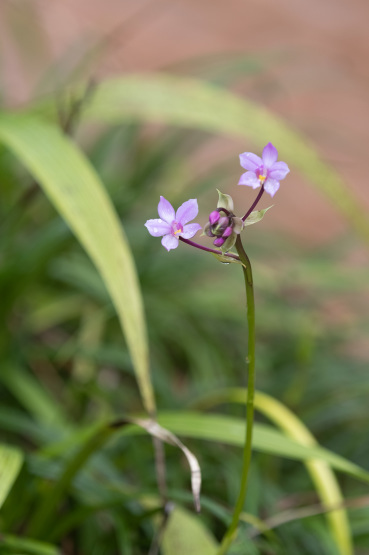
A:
190	230
249	179
187	211
166	210
170	242
270	155
157	227
278	171
271	186
250	161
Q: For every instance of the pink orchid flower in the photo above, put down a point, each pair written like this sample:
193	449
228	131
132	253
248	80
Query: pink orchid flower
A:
263	171
172	225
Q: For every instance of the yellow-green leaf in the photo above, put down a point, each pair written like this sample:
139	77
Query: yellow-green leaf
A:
77	193
11	460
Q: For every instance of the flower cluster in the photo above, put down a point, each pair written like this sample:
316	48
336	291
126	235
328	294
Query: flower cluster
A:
223	224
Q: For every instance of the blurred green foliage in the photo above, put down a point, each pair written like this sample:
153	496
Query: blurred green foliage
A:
66	367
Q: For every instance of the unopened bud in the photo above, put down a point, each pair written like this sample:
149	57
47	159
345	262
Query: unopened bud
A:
219	241
214	217
223	222
227	232
219	228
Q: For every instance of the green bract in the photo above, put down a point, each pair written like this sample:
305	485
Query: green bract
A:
225	201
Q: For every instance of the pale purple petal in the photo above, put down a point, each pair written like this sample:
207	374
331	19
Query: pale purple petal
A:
170	242
190	230
271	186
157	228
166	210
249	179
187	211
278	171
270	155
250	161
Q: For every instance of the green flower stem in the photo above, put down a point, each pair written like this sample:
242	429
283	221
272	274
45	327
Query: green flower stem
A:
247	272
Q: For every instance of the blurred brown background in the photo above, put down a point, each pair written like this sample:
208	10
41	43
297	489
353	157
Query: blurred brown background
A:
314	59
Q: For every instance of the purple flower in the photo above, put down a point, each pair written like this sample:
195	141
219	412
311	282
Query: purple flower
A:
172	225
263	171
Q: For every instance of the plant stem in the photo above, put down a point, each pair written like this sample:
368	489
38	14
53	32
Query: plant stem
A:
214	251
232	529
253	204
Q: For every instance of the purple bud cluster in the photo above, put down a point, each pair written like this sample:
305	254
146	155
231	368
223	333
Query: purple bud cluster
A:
220	226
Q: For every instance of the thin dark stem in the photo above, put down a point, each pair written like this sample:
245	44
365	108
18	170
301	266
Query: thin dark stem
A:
254	204
68	121
155	545
160	467
214	251
247	272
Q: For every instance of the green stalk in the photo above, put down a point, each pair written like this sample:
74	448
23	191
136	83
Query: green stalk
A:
247	272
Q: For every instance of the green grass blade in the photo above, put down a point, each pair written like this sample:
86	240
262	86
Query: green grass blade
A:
43	516
33	397
77	193
323	477
85	445
11	460
25	546
193	103
231	431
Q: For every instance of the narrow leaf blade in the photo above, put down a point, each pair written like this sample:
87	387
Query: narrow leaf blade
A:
77	193
11	460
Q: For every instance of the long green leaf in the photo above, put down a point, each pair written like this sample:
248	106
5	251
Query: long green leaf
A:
11	460
197	104
231	431
77	193
320	471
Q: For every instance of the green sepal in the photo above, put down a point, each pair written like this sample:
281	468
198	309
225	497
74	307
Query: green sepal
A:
238	224
204	229
229	242
256	216
227	259
225	201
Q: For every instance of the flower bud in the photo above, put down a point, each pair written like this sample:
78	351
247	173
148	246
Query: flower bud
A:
219	228
219	241
214	217
223	225
223	222
227	232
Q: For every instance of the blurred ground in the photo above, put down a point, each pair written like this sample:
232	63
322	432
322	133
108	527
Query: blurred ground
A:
315	74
